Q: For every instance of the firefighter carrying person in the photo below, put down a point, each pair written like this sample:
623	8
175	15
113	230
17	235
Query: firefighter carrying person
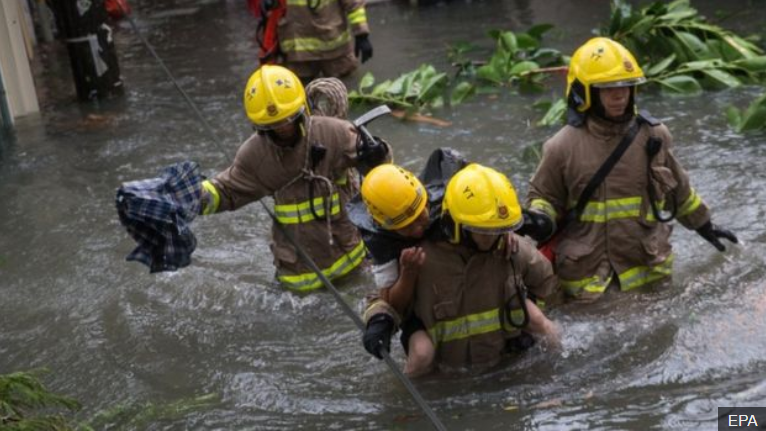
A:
306	163
398	206
620	237
313	38
393	213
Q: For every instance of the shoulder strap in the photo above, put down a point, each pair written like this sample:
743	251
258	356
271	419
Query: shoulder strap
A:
604	170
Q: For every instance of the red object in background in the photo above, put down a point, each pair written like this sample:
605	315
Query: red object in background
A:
268	12
117	9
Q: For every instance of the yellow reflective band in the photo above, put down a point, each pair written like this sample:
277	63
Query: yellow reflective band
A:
304	3
466	326
310	281
342	180
212	205
612	209
591	285
545	207
643	275
314	44
692	203
359	16
301	213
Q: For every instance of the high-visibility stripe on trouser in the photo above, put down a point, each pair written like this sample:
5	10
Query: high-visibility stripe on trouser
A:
310	281
592	285
466	326
303	44
643	275
301	213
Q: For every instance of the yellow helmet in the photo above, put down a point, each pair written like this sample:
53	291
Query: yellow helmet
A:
273	96
601	63
481	200
393	196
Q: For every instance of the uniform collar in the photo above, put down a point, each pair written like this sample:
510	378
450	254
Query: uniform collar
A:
605	129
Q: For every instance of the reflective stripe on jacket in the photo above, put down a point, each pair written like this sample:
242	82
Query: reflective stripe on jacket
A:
321	29
461	296
617	233
262	168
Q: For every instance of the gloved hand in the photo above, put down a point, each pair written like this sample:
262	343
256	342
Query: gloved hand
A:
362	47
537	226
371	152
711	233
377	336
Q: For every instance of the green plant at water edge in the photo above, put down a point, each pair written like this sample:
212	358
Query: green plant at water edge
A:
129	417
753	118
414	91
682	52
25	404
518	59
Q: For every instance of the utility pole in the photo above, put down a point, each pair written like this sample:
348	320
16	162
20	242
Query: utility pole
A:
82	25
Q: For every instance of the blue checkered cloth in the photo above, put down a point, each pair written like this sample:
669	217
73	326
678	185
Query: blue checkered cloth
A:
157	212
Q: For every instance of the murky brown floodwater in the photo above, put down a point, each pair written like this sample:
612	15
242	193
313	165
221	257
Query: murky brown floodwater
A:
114	335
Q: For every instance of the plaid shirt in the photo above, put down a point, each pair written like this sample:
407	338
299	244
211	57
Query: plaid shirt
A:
157	212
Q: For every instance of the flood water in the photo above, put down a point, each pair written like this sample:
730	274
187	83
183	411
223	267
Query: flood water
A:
116	337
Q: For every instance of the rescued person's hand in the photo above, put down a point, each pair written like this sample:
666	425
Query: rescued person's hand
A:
411	259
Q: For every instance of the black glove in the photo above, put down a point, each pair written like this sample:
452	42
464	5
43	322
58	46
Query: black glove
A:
362	47
377	336
536	225
711	233
371	151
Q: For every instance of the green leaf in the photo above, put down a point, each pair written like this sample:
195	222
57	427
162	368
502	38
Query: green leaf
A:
461	92
508	42
489	73
658	68
680	84
752	64
734	117
527	42
538	30
555	114
754	117
367	81
722	78
523	66
693	45
381	88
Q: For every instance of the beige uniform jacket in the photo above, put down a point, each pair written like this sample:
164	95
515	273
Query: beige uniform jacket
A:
314	30
617	235
461	298
262	168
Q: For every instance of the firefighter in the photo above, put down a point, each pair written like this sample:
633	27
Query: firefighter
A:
619	235
468	272
394	212
306	164
313	38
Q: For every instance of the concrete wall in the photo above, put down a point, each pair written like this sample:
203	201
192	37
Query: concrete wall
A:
16	43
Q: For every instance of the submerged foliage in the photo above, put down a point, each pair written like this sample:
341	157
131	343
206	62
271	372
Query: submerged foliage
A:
682	52
518	59
26	404
752	118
